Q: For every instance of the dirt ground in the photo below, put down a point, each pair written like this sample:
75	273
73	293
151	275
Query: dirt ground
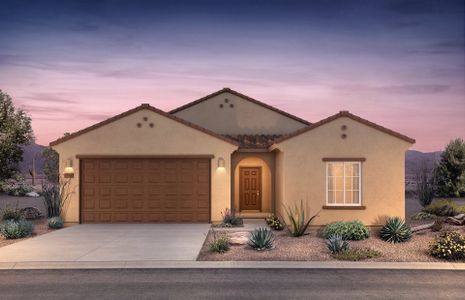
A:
312	247
40	227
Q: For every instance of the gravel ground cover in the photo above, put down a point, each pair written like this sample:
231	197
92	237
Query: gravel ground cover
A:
312	247
40	227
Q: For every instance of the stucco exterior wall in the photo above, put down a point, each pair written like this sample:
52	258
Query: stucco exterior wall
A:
244	117
301	173
266	162
167	137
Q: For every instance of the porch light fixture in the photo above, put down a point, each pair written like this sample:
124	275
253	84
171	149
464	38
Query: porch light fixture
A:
220	163
69	171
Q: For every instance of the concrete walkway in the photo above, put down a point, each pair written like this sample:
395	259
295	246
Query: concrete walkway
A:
112	242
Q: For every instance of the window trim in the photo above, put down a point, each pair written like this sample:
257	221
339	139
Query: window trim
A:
359	204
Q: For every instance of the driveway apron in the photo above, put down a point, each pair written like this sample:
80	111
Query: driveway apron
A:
111	242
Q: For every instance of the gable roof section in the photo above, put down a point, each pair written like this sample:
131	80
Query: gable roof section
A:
347	114
241	96
134	110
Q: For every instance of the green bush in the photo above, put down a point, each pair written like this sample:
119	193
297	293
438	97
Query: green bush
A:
12	214
354	230
438	224
14	187
261	239
423	216
230	218
395	231
56	222
16	229
337	244
274	222
298	223
220	243
442	208
356	254
449	246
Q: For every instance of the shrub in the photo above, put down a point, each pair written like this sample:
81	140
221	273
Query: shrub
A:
229	217
395	231
354	230
449	246
423	216
55	197
220	243
15	187
13	214
261	239
298	222
425	186
356	254
16	229
274	222
337	244
442	208
56	222
438	224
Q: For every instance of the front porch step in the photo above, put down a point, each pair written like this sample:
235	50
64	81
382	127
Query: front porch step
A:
253	215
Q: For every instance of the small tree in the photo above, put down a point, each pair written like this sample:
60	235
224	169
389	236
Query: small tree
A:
450	172
15	131
425	185
51	164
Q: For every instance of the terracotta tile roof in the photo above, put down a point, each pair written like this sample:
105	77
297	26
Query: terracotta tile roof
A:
243	97
136	109
347	114
254	141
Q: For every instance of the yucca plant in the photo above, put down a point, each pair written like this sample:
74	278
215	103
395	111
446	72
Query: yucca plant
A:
298	223
337	244
56	222
261	239
220	243
395	231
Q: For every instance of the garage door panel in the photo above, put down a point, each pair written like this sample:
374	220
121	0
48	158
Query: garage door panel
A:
145	190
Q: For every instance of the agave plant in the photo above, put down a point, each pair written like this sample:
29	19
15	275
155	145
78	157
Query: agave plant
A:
395	231
298	223
261	239
336	244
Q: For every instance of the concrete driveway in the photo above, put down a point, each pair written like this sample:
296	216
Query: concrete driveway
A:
112	242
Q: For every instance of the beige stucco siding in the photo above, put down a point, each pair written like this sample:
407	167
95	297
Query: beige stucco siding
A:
244	117
301	173
167	137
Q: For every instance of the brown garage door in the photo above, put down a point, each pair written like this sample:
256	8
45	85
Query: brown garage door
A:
132	190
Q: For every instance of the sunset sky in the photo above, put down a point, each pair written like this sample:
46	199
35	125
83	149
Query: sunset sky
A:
400	64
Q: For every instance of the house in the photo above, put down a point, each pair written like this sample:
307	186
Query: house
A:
227	150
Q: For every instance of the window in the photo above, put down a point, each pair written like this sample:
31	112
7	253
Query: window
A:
343	183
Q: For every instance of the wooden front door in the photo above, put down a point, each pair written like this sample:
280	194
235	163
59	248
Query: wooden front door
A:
250	188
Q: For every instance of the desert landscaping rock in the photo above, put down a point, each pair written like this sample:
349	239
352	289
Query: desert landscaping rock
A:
312	247
239	238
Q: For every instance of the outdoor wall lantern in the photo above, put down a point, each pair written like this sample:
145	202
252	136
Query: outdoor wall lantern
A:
69	171
220	163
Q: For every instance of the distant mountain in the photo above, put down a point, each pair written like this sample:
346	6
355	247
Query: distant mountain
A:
414	160
30	152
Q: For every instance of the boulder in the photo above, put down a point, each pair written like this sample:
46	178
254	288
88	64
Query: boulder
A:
31	213
238	238
32	194
460	217
454	221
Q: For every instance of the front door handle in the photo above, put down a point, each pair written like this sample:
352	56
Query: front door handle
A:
258	193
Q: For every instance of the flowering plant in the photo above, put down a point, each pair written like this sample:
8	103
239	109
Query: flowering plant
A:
450	246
